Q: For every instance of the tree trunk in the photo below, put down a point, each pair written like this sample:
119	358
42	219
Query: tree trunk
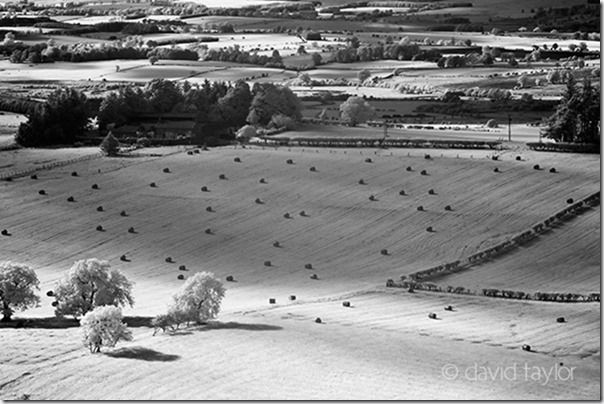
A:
7	312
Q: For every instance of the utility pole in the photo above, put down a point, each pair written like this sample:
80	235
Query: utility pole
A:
509	127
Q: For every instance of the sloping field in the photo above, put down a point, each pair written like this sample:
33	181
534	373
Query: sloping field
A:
545	262
384	346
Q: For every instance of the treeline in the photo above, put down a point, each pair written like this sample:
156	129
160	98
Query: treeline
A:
354	53
236	55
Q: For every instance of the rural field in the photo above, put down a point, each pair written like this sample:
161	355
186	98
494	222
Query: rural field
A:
296	200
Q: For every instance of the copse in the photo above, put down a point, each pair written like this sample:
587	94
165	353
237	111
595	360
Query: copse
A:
91	283
18	283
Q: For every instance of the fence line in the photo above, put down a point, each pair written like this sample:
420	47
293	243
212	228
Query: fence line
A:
22	173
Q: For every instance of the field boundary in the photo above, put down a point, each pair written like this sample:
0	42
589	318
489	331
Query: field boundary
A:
378	143
23	173
419	280
565	147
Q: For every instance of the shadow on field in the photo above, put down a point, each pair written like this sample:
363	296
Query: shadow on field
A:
64	322
144	354
231	325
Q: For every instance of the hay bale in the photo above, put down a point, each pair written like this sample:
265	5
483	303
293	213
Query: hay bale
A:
424	172
431	192
182	268
272	301
518	158
166	170
131	230
427	156
95	186
208	231
258	201
384	252
289	161
222	177
409	168
429	229
99	209
560	320
314	276
368	160
553	170
308	266
372	198
432	316
123	213
276	244
526	347
267	263
536	167
180	277
303	213
449	308
33	177
74	173
346	304
318	320
204	189
153	185
420	208
262	181
496	170
123	257
190	153
402	192
100	228
313	169
495	157
237	160
570	201
448	208
169	260
287	216
196	151
209	209
230	278
292	297
42	192
54	304
362	182
71	199
50	293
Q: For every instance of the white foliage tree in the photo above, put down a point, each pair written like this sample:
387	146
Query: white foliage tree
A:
199	298
91	283
17	285
103	326
355	110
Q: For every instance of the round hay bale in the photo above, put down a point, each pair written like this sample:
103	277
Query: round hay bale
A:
237	160
424	172
131	230
209	209
346	304
74	173
289	161
204	189
123	257
429	229
308	266
190	153
272	301
362	182
222	177
496	170
303	213
495	157
50	293
314	276
169	260
409	168
54	304
258	201
372	198
313	169
448	207
420	208
95	186
402	192
276	244
267	263
99	208
42	192
166	170
518	158
553	170
180	277
262	181
384	252
526	347
99	228
196	151
287	216
33	177
182	268
153	185
208	231
318	320
427	156
230	278
71	199
536	167
432	316
292	297
560	320
123	213
449	308
368	160
570	201
5	232
431	192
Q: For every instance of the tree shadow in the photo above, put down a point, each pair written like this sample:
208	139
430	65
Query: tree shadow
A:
232	325
141	353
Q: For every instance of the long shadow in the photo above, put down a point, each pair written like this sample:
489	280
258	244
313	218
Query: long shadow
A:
65	322
232	325
141	353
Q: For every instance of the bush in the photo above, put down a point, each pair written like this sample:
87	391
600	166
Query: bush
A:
103	327
91	283
199	298
110	145
17	285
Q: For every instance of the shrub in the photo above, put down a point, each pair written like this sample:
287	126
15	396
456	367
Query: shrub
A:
103	327
91	283
17	285
110	145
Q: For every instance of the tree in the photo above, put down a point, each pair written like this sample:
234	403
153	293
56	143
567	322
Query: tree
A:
316	58
110	145
363	75
301	50
235	104
91	283
199	298
153	60
270	99
17	285
523	81
163	95
355	110
103	327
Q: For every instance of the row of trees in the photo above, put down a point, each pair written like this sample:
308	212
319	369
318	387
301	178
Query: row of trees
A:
354	52
94	292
